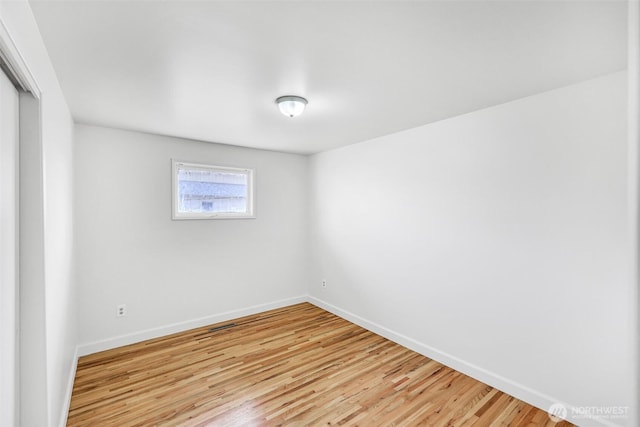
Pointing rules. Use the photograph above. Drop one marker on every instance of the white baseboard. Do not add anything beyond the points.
(67, 395)
(122, 340)
(517, 390)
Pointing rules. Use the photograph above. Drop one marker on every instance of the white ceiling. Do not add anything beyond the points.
(211, 70)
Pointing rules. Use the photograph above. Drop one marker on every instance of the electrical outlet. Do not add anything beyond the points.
(324, 283)
(121, 310)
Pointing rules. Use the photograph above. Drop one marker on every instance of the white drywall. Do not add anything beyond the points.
(495, 241)
(48, 321)
(170, 272)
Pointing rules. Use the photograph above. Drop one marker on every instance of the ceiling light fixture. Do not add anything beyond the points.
(291, 105)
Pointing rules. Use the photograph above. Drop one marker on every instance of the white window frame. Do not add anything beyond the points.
(177, 215)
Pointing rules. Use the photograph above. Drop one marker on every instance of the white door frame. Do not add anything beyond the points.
(29, 119)
(9, 267)
(18, 68)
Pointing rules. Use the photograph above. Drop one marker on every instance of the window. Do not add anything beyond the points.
(204, 191)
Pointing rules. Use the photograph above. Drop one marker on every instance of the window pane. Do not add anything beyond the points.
(212, 191)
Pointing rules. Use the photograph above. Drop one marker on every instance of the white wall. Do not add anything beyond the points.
(60, 289)
(494, 242)
(54, 332)
(167, 272)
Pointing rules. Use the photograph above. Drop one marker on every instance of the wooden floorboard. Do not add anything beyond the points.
(295, 366)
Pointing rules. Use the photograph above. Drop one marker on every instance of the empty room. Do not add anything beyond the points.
(307, 213)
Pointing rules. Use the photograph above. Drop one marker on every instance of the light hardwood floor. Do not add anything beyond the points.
(296, 366)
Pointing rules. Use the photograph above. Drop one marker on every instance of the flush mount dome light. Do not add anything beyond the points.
(291, 106)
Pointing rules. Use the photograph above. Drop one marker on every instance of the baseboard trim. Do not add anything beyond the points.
(110, 343)
(67, 396)
(517, 390)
